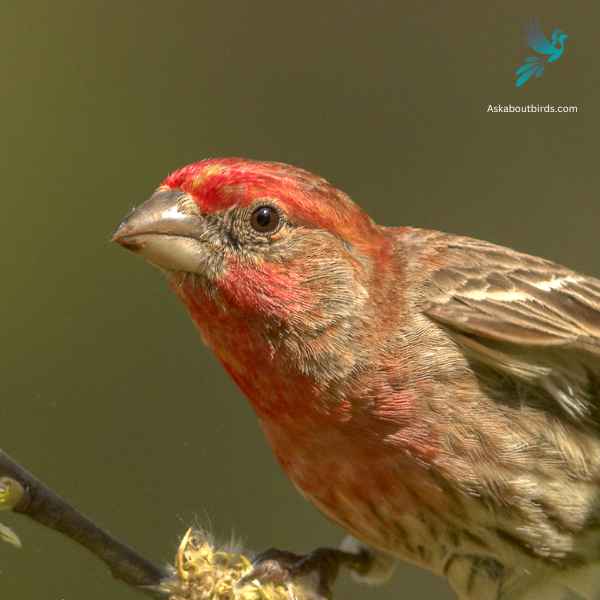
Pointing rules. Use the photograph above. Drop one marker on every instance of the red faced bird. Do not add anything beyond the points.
(436, 396)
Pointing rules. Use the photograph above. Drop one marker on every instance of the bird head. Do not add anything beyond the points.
(559, 36)
(259, 240)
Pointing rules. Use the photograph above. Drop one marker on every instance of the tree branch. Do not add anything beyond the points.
(202, 570)
(40, 503)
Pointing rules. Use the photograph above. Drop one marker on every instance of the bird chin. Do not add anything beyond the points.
(168, 252)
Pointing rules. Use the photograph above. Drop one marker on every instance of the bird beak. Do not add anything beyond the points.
(167, 231)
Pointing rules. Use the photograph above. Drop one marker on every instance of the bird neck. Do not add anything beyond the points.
(286, 345)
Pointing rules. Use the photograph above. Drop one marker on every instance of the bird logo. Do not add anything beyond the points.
(549, 51)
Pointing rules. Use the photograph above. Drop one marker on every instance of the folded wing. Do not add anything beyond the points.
(526, 317)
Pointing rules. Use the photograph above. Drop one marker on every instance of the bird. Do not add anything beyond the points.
(436, 396)
(550, 51)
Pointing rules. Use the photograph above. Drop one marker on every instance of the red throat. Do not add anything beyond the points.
(326, 450)
(235, 336)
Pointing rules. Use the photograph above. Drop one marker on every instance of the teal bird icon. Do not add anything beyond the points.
(548, 52)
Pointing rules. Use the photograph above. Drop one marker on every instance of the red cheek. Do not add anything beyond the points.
(267, 289)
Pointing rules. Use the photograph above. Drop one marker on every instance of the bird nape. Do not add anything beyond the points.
(435, 395)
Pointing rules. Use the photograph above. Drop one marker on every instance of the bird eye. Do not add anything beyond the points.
(265, 219)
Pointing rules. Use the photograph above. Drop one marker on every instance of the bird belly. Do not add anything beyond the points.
(390, 503)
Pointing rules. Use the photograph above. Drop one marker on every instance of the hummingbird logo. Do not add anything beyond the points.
(549, 51)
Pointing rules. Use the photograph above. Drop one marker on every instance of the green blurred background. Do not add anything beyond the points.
(107, 393)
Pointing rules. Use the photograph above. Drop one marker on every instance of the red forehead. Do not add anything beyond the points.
(217, 184)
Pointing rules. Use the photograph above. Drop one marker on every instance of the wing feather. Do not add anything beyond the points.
(508, 296)
(523, 316)
(537, 40)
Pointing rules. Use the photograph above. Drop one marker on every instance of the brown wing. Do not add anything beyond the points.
(525, 316)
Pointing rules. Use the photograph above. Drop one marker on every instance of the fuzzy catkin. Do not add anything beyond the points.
(205, 572)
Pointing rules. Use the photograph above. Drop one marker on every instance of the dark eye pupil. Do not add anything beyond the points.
(263, 216)
(265, 219)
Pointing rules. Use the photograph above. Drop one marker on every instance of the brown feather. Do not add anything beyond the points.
(524, 316)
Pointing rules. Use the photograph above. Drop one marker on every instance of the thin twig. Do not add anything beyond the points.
(43, 505)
